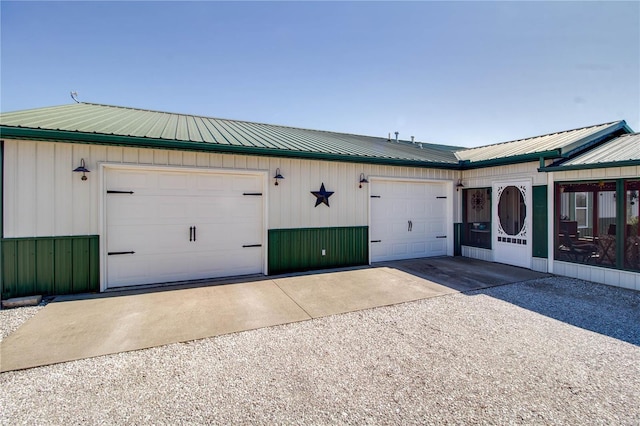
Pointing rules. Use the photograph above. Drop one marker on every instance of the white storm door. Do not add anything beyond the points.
(164, 226)
(512, 224)
(408, 220)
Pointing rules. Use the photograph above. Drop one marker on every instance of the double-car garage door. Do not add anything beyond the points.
(164, 226)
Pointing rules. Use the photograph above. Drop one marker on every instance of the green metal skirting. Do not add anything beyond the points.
(293, 250)
(50, 265)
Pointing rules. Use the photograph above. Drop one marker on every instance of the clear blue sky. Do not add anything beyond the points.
(446, 72)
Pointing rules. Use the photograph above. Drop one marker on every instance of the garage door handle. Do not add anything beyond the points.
(441, 236)
(116, 253)
(376, 241)
(252, 245)
(119, 192)
(410, 226)
(190, 233)
(194, 233)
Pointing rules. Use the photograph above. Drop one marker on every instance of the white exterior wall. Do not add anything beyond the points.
(479, 178)
(614, 277)
(43, 197)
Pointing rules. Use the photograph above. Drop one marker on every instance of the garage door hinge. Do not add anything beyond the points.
(375, 196)
(119, 192)
(441, 236)
(441, 197)
(115, 253)
(376, 241)
(252, 245)
(252, 193)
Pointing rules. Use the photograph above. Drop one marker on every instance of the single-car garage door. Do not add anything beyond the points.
(164, 226)
(408, 220)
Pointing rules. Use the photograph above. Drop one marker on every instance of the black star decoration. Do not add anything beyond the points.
(322, 196)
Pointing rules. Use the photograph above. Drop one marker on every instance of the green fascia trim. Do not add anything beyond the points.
(300, 249)
(590, 166)
(141, 142)
(49, 265)
(516, 159)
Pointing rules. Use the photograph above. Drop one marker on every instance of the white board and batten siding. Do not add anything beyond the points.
(43, 197)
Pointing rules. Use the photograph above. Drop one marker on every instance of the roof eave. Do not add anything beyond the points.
(603, 165)
(143, 142)
(588, 142)
(522, 158)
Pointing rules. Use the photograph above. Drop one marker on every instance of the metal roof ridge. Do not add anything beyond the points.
(541, 136)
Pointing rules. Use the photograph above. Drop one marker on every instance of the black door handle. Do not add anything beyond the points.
(194, 233)
(190, 233)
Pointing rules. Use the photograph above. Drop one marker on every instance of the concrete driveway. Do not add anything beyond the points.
(84, 326)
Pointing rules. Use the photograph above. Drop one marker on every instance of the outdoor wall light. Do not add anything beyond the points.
(82, 169)
(362, 180)
(278, 176)
(459, 185)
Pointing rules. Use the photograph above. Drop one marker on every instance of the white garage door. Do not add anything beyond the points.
(408, 220)
(164, 226)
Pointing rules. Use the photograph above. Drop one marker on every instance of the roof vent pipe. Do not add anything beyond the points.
(389, 137)
(396, 136)
(420, 145)
(413, 139)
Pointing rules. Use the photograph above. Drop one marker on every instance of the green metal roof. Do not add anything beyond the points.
(560, 144)
(621, 151)
(111, 124)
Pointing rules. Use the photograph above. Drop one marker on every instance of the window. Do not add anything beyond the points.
(476, 206)
(588, 215)
(582, 209)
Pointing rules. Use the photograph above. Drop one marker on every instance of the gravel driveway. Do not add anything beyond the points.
(548, 351)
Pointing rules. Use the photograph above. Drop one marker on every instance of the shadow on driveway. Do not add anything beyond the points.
(606, 310)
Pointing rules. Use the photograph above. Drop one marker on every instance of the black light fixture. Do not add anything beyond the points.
(459, 185)
(362, 180)
(82, 169)
(278, 176)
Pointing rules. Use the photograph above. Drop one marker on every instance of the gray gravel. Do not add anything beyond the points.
(549, 351)
(11, 319)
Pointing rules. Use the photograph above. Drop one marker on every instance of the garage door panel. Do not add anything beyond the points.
(246, 184)
(400, 203)
(128, 180)
(172, 183)
(435, 227)
(399, 249)
(419, 247)
(207, 184)
(155, 222)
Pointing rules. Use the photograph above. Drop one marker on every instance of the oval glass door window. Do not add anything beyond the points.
(512, 210)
